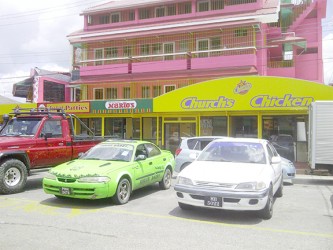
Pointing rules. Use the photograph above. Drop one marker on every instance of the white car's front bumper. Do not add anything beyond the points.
(231, 200)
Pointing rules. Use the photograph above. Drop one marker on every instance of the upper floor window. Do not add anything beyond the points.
(131, 15)
(144, 49)
(185, 8)
(90, 19)
(203, 45)
(217, 4)
(171, 10)
(169, 48)
(156, 91)
(159, 11)
(156, 48)
(144, 13)
(145, 92)
(168, 88)
(207, 5)
(98, 94)
(111, 52)
(240, 32)
(98, 55)
(111, 93)
(127, 51)
(104, 19)
(203, 6)
(115, 17)
(127, 92)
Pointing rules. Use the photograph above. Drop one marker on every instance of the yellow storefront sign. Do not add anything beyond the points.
(244, 93)
(73, 107)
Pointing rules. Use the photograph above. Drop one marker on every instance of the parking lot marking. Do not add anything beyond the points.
(321, 235)
(54, 210)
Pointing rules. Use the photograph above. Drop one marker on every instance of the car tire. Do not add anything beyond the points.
(13, 176)
(267, 212)
(165, 183)
(123, 192)
(279, 192)
(184, 206)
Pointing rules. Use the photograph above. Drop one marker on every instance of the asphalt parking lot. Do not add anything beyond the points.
(303, 219)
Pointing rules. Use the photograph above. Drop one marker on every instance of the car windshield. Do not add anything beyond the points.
(110, 152)
(21, 127)
(244, 152)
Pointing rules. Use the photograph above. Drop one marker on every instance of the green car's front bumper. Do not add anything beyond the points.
(79, 190)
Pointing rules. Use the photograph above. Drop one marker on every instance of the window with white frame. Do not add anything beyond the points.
(145, 92)
(90, 19)
(168, 88)
(203, 45)
(98, 94)
(169, 48)
(115, 17)
(98, 55)
(111, 93)
(215, 44)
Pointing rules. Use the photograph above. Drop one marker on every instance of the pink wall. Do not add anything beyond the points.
(307, 68)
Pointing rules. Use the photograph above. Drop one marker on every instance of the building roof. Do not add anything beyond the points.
(22, 88)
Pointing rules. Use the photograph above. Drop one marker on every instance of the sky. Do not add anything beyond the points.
(34, 34)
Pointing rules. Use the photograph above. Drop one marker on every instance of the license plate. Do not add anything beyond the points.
(213, 201)
(65, 191)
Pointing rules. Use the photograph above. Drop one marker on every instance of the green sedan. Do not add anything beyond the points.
(113, 168)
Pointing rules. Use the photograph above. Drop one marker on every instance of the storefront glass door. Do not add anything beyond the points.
(244, 126)
(174, 131)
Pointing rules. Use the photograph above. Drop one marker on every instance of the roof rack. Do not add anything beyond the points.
(39, 111)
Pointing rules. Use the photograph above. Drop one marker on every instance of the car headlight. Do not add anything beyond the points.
(95, 179)
(251, 186)
(50, 176)
(184, 181)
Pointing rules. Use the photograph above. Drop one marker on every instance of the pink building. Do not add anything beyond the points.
(145, 48)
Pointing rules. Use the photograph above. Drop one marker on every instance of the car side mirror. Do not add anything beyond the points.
(141, 158)
(275, 160)
(47, 135)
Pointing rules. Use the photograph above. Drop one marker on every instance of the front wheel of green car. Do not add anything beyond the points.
(123, 192)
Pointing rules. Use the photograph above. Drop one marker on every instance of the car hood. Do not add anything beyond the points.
(84, 168)
(15, 142)
(223, 172)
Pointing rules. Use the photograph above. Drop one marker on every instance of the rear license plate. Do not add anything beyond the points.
(213, 201)
(65, 191)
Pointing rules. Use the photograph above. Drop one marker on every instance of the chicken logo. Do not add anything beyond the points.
(242, 88)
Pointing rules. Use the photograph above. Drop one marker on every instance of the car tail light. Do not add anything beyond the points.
(178, 150)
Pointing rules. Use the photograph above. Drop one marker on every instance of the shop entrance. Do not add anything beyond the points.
(174, 131)
(244, 126)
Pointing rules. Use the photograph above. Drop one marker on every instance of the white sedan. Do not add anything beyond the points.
(233, 174)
